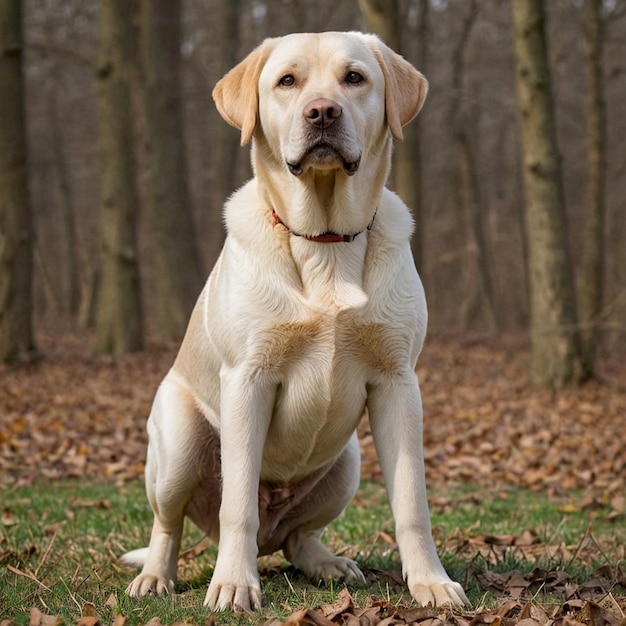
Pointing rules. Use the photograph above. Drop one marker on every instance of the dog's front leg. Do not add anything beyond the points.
(246, 405)
(395, 410)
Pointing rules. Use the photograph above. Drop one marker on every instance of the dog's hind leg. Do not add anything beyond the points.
(325, 503)
(171, 479)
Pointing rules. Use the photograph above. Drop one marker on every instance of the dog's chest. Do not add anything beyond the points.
(328, 345)
(322, 367)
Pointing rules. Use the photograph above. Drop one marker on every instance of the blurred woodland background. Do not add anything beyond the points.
(129, 163)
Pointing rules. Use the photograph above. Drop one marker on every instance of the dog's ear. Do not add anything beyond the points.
(236, 95)
(405, 88)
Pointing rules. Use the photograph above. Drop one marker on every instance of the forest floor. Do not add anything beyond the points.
(71, 415)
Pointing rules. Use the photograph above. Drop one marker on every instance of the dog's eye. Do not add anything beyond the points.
(287, 80)
(354, 78)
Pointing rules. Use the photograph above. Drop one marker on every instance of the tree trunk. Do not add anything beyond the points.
(478, 309)
(178, 274)
(224, 149)
(555, 345)
(417, 185)
(382, 18)
(119, 316)
(16, 230)
(591, 289)
(71, 282)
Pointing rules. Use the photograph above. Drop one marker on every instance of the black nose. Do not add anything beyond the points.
(322, 112)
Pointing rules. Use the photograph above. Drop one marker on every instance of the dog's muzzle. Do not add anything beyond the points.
(323, 153)
(322, 117)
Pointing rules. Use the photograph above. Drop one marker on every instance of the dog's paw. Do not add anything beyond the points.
(239, 598)
(148, 585)
(446, 592)
(337, 568)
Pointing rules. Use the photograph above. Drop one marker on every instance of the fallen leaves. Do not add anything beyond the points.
(89, 617)
(555, 583)
(344, 611)
(71, 415)
(517, 611)
(484, 426)
(37, 618)
(511, 613)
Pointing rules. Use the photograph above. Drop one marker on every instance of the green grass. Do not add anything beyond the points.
(59, 544)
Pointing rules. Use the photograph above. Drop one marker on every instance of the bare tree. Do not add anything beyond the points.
(383, 18)
(555, 346)
(178, 275)
(119, 314)
(591, 289)
(225, 139)
(66, 200)
(16, 233)
(478, 306)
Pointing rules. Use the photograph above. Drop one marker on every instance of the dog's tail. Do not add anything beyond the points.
(135, 558)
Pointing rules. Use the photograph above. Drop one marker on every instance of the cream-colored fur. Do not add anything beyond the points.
(252, 432)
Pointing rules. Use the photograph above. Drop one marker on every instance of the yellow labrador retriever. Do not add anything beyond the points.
(313, 313)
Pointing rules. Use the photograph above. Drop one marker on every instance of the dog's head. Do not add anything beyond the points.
(321, 100)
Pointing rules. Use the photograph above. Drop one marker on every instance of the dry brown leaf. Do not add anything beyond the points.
(599, 616)
(509, 609)
(344, 602)
(192, 553)
(565, 620)
(420, 614)
(91, 504)
(8, 518)
(37, 618)
(493, 580)
(487, 617)
(429, 621)
(386, 538)
(516, 585)
(536, 613)
(306, 617)
(369, 616)
(527, 621)
(111, 601)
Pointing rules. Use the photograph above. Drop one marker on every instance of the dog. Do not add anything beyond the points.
(313, 314)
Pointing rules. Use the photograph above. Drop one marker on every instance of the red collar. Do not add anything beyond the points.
(327, 237)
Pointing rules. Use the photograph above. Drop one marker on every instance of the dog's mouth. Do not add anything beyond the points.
(324, 156)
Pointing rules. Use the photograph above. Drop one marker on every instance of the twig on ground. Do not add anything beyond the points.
(46, 552)
(28, 575)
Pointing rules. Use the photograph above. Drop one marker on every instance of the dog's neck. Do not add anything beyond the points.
(330, 274)
(327, 237)
(321, 200)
